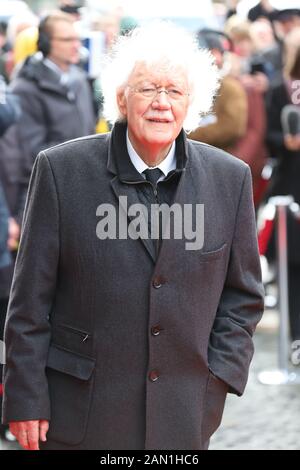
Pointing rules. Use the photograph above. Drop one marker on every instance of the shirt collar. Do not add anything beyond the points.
(63, 76)
(119, 162)
(167, 165)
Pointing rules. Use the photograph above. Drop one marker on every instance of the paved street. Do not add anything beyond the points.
(266, 417)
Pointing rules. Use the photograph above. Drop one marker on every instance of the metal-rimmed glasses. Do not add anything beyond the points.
(151, 91)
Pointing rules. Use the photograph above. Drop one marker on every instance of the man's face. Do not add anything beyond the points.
(65, 44)
(154, 121)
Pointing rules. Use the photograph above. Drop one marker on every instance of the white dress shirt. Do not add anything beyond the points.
(167, 165)
(63, 76)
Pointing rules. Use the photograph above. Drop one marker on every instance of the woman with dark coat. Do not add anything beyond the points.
(286, 181)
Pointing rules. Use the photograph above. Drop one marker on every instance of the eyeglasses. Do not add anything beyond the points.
(68, 40)
(151, 91)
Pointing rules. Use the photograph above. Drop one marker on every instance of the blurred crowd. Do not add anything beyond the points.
(50, 92)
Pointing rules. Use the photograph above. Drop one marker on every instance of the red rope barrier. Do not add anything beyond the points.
(264, 236)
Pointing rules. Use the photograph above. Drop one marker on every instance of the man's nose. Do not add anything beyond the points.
(161, 100)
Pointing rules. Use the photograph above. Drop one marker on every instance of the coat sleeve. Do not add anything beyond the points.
(242, 300)
(33, 127)
(27, 329)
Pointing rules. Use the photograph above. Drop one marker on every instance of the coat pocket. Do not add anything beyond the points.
(214, 403)
(71, 338)
(70, 378)
(212, 255)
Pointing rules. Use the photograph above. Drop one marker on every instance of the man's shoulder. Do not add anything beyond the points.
(24, 86)
(215, 158)
(27, 73)
(78, 150)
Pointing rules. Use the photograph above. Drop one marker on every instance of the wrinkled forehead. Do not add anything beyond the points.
(161, 72)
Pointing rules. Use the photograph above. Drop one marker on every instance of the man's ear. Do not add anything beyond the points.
(122, 101)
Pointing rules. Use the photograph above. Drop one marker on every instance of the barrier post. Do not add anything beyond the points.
(282, 375)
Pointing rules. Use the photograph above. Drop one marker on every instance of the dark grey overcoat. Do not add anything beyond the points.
(117, 351)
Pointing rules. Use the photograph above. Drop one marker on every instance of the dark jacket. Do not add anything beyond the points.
(251, 148)
(4, 253)
(9, 113)
(286, 177)
(118, 350)
(51, 113)
(9, 108)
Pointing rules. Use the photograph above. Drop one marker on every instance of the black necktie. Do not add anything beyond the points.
(153, 175)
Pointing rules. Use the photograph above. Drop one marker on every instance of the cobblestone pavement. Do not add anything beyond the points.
(266, 416)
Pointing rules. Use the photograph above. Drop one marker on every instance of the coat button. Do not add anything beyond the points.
(155, 330)
(153, 375)
(158, 282)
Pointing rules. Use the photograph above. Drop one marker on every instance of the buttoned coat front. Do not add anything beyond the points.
(119, 350)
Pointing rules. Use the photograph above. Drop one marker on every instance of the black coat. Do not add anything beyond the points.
(9, 108)
(117, 350)
(285, 180)
(51, 113)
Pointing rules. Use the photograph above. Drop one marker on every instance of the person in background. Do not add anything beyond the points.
(16, 25)
(285, 21)
(9, 107)
(72, 7)
(5, 263)
(25, 45)
(231, 8)
(9, 113)
(267, 55)
(263, 9)
(56, 102)
(285, 147)
(252, 71)
(228, 121)
(5, 259)
(55, 95)
(57, 105)
(4, 47)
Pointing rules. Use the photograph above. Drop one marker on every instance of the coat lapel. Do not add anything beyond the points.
(130, 192)
(190, 190)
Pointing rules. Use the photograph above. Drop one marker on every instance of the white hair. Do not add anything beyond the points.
(161, 42)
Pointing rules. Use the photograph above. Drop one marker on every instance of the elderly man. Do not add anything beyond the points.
(121, 339)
